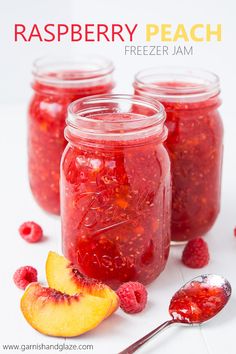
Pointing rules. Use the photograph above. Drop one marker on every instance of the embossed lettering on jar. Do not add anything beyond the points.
(195, 144)
(115, 189)
(57, 83)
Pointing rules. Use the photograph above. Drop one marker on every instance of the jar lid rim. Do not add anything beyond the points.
(105, 98)
(71, 70)
(177, 83)
(115, 117)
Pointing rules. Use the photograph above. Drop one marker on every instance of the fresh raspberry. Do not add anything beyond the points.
(30, 231)
(133, 297)
(24, 276)
(235, 231)
(196, 254)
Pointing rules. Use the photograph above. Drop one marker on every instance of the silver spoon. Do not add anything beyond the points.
(196, 302)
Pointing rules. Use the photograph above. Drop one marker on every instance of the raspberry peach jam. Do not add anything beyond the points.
(195, 144)
(198, 302)
(56, 84)
(115, 189)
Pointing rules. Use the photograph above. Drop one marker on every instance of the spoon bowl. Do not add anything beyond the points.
(200, 299)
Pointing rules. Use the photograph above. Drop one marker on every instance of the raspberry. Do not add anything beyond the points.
(24, 276)
(30, 231)
(235, 231)
(133, 297)
(196, 254)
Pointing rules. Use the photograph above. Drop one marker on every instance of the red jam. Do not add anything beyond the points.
(198, 302)
(116, 199)
(195, 135)
(53, 92)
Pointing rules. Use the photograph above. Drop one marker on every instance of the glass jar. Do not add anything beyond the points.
(195, 144)
(56, 84)
(115, 189)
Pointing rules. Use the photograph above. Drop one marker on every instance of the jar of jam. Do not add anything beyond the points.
(56, 84)
(195, 144)
(115, 189)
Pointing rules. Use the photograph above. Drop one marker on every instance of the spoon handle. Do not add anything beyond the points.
(133, 347)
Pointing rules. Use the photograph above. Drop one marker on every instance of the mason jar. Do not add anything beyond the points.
(115, 189)
(57, 83)
(191, 98)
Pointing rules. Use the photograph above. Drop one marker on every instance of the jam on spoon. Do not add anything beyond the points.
(196, 302)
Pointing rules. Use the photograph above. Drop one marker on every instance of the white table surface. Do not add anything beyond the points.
(114, 334)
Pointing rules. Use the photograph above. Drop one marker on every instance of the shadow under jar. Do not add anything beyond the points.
(57, 83)
(195, 144)
(115, 189)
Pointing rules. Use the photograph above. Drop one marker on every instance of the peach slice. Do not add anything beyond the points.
(63, 276)
(56, 314)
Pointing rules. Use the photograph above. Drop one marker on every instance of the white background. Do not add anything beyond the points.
(16, 201)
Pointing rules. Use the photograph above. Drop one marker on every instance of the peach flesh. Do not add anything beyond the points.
(56, 314)
(62, 275)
